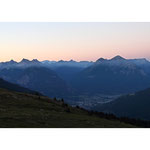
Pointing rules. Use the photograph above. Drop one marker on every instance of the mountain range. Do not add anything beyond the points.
(114, 76)
(71, 78)
(49, 64)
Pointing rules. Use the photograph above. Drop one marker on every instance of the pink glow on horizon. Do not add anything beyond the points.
(77, 41)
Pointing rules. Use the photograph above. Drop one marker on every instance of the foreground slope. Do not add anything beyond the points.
(26, 110)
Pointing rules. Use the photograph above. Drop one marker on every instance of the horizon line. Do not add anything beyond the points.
(72, 59)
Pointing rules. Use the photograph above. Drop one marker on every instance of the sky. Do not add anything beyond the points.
(77, 41)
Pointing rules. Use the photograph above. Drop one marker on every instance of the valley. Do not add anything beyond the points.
(88, 101)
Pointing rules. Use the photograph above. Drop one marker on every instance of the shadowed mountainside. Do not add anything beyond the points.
(39, 79)
(133, 105)
(14, 87)
(115, 76)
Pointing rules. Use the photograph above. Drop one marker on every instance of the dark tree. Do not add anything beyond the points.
(68, 110)
(62, 100)
(55, 99)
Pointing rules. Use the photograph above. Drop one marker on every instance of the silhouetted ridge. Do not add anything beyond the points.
(118, 57)
(35, 60)
(24, 60)
(100, 60)
(12, 61)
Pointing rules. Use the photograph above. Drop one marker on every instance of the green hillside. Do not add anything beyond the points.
(21, 110)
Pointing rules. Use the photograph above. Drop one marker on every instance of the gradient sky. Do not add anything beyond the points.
(78, 41)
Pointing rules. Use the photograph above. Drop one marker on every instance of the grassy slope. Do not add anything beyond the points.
(26, 110)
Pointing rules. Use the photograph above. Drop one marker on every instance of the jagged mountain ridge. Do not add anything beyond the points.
(65, 69)
(52, 64)
(109, 76)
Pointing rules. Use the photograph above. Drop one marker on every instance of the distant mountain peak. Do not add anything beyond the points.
(72, 60)
(35, 61)
(101, 59)
(61, 61)
(118, 57)
(12, 61)
(24, 60)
